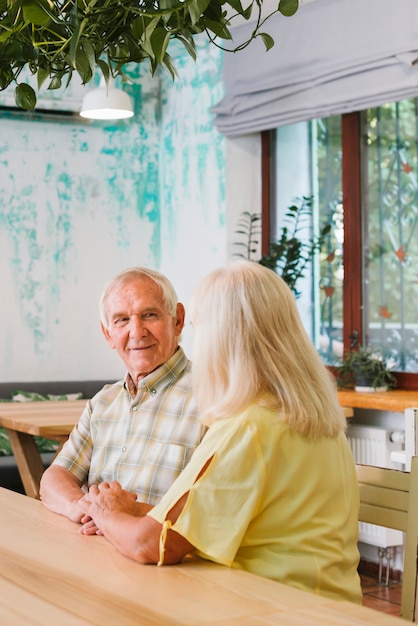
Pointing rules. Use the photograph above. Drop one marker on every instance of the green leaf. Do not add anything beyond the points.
(159, 42)
(90, 54)
(137, 28)
(152, 24)
(267, 40)
(82, 66)
(216, 12)
(25, 97)
(237, 6)
(36, 12)
(170, 66)
(146, 42)
(55, 83)
(196, 8)
(239, 9)
(246, 14)
(41, 76)
(220, 30)
(105, 69)
(6, 77)
(188, 43)
(74, 41)
(4, 35)
(288, 7)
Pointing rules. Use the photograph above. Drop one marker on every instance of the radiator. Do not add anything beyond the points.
(373, 446)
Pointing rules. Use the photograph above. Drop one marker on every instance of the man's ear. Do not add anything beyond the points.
(107, 335)
(180, 318)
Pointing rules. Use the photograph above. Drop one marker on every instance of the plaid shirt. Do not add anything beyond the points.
(143, 442)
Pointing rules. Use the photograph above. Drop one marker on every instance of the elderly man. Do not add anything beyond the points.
(140, 431)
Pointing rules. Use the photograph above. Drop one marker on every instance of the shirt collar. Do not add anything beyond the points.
(162, 376)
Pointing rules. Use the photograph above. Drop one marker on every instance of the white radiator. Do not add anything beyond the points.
(372, 445)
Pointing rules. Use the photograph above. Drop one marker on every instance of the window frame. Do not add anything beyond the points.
(353, 236)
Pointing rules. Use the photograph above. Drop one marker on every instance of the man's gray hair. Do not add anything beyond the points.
(168, 292)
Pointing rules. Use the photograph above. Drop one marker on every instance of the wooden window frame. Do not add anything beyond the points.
(353, 243)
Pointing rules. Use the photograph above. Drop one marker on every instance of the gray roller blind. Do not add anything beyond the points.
(331, 57)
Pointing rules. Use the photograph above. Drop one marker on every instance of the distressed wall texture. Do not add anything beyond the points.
(81, 201)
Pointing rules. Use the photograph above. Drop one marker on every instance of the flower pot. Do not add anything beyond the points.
(363, 381)
(365, 389)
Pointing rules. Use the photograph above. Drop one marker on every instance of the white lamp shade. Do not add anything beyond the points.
(106, 103)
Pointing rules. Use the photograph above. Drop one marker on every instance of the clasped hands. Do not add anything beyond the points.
(103, 500)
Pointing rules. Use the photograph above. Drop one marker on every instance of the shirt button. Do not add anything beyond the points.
(135, 408)
(153, 392)
(124, 449)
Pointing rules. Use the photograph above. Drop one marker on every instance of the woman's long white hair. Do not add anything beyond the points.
(250, 346)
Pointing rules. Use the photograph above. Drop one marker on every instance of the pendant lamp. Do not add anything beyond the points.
(106, 102)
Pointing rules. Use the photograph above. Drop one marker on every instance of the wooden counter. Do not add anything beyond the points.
(50, 574)
(395, 400)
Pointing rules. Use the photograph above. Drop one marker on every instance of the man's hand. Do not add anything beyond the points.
(103, 500)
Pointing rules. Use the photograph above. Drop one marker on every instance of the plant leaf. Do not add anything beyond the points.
(36, 12)
(89, 50)
(196, 8)
(82, 66)
(237, 6)
(188, 43)
(288, 7)
(159, 42)
(25, 97)
(55, 83)
(105, 69)
(220, 30)
(170, 66)
(74, 44)
(41, 76)
(267, 40)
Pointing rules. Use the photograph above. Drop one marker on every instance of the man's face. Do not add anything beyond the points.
(140, 328)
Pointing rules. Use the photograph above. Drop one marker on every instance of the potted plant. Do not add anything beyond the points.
(364, 370)
(56, 39)
(291, 255)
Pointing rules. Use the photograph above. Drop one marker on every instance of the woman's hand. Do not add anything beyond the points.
(103, 500)
(115, 513)
(89, 527)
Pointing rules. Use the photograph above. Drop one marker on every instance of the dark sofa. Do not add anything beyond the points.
(87, 387)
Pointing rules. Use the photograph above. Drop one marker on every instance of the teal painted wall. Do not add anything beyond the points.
(81, 201)
(192, 199)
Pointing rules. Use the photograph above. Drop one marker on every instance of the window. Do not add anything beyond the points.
(361, 170)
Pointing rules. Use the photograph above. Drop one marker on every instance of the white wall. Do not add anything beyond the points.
(80, 202)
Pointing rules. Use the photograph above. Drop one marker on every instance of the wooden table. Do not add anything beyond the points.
(396, 400)
(50, 574)
(50, 419)
(24, 420)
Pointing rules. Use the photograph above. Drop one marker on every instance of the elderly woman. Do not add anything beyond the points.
(272, 488)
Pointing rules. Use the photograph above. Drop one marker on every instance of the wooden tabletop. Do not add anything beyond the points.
(394, 400)
(24, 420)
(45, 419)
(50, 574)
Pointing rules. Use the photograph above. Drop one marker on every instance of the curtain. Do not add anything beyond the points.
(331, 57)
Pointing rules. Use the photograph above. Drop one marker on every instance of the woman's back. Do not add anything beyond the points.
(307, 527)
(273, 503)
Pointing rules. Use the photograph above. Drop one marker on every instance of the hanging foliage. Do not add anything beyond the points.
(56, 39)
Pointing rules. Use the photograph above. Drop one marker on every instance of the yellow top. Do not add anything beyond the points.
(273, 503)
